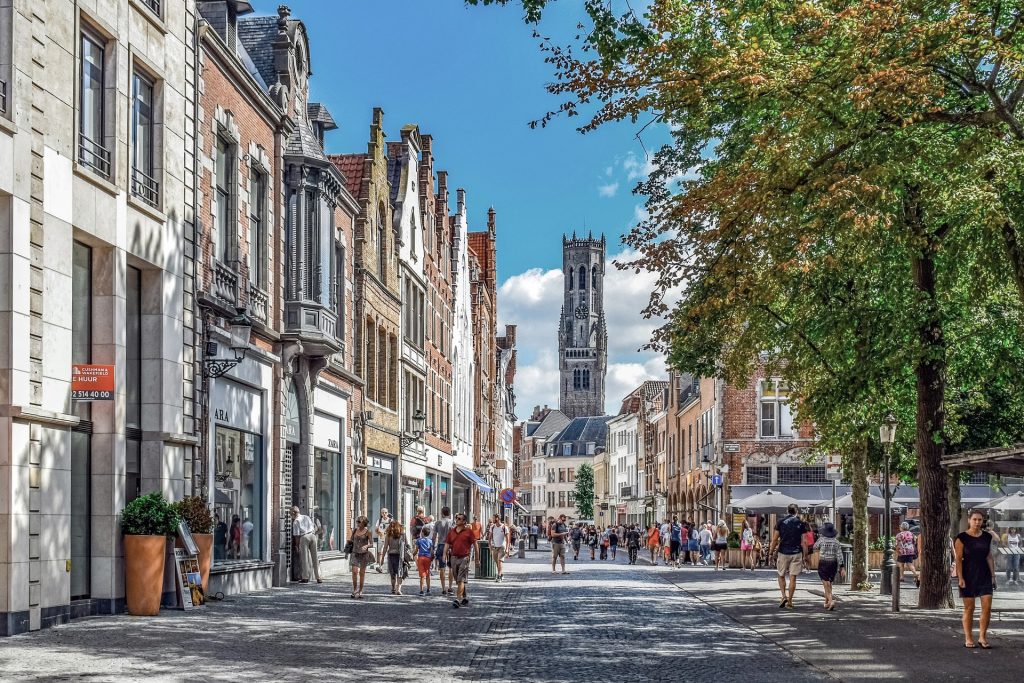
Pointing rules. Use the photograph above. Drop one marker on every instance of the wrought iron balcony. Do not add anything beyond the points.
(225, 284)
(145, 188)
(94, 155)
(259, 304)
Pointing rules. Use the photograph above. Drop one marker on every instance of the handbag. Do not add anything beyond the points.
(348, 547)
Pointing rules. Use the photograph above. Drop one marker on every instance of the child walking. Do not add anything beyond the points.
(424, 556)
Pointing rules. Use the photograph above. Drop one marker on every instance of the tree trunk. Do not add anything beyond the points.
(1011, 245)
(858, 460)
(930, 420)
(955, 513)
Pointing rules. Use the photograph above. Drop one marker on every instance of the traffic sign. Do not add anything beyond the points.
(508, 506)
(507, 496)
(716, 480)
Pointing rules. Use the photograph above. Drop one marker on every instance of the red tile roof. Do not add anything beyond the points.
(351, 167)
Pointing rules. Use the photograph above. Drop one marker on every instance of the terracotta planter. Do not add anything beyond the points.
(144, 558)
(205, 544)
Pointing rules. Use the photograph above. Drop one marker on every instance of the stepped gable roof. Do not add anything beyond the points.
(351, 167)
(257, 34)
(318, 113)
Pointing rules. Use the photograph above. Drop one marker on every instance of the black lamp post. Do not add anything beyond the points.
(240, 330)
(887, 434)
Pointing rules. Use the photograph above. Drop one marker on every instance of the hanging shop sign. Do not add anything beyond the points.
(92, 382)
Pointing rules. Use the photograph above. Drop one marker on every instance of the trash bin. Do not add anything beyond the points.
(522, 548)
(847, 562)
(486, 569)
(533, 541)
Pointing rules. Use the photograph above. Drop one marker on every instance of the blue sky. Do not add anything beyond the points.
(474, 78)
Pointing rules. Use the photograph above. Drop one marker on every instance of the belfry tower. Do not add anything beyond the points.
(582, 334)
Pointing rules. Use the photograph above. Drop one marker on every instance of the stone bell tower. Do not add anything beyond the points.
(582, 334)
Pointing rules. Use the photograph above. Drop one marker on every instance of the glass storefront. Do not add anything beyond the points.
(327, 496)
(238, 469)
(436, 493)
(380, 486)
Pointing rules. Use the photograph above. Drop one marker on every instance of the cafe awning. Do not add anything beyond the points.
(473, 478)
(1009, 461)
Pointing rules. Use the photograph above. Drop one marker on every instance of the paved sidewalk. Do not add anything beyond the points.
(862, 639)
(602, 622)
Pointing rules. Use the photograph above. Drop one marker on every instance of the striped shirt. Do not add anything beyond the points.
(829, 550)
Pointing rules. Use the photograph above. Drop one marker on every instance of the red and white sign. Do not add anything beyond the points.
(92, 382)
(507, 496)
(834, 466)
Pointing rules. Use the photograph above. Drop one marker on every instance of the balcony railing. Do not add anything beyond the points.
(259, 303)
(225, 284)
(94, 155)
(153, 5)
(145, 188)
(3, 97)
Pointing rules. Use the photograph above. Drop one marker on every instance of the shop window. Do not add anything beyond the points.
(759, 475)
(327, 494)
(238, 467)
(801, 474)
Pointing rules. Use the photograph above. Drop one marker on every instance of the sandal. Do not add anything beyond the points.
(971, 646)
(353, 595)
(985, 645)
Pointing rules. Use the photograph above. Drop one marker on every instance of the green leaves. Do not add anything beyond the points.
(584, 491)
(149, 515)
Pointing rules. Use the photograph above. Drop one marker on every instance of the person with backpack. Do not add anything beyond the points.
(613, 542)
(424, 556)
(576, 537)
(906, 552)
(440, 533)
(593, 539)
(498, 537)
(633, 543)
(417, 523)
(789, 541)
(675, 538)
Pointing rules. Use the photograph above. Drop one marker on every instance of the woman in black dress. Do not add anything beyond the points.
(976, 574)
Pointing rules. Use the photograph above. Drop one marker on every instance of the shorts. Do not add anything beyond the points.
(439, 556)
(423, 565)
(557, 550)
(745, 546)
(460, 568)
(360, 560)
(721, 546)
(575, 546)
(789, 564)
(906, 559)
(827, 570)
(498, 553)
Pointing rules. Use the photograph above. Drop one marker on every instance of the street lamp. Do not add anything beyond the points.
(887, 434)
(239, 329)
(418, 418)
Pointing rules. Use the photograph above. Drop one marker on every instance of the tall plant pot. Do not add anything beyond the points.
(205, 544)
(144, 558)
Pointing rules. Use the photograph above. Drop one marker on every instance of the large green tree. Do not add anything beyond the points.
(584, 491)
(870, 139)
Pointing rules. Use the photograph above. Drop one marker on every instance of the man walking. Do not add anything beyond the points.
(440, 536)
(379, 531)
(305, 540)
(789, 540)
(498, 536)
(633, 542)
(676, 535)
(557, 531)
(576, 536)
(534, 534)
(458, 546)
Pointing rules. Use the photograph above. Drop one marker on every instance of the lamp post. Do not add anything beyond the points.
(240, 330)
(887, 434)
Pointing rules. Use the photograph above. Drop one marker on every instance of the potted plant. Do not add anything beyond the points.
(146, 523)
(195, 513)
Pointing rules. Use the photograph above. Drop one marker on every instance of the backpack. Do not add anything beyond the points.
(906, 545)
(417, 526)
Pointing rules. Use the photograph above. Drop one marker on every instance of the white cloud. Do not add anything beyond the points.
(637, 169)
(608, 190)
(533, 300)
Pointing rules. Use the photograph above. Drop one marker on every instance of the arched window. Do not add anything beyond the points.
(593, 277)
(571, 271)
(576, 378)
(586, 378)
(583, 277)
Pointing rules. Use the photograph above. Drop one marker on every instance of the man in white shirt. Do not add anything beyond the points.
(498, 537)
(665, 536)
(304, 538)
(383, 522)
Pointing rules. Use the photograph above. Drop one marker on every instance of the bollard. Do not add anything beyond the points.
(896, 586)
(522, 548)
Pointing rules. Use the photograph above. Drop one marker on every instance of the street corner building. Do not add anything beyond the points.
(200, 300)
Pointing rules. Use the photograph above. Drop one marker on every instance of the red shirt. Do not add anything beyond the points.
(460, 541)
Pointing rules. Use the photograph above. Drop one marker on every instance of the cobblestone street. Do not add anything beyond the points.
(603, 621)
